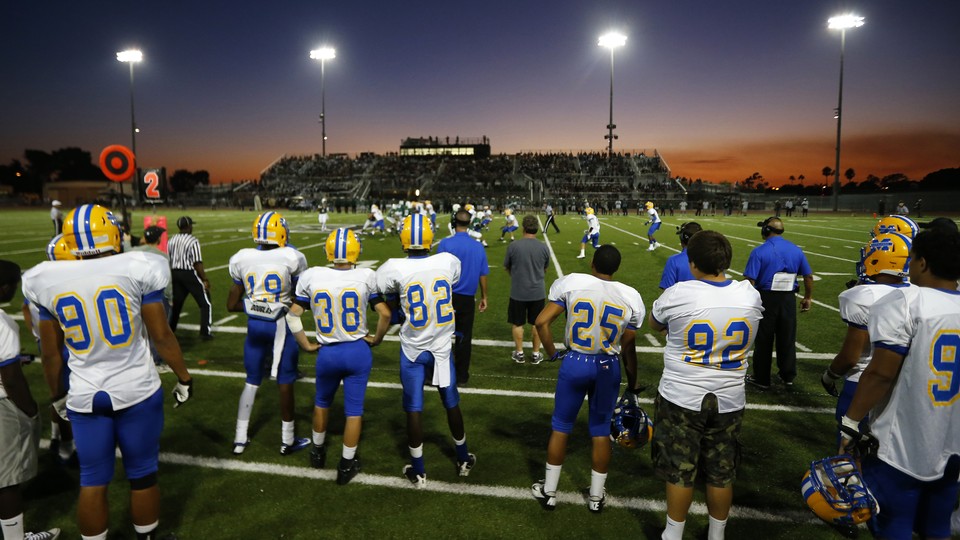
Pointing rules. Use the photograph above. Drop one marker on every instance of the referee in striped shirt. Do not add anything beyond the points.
(188, 277)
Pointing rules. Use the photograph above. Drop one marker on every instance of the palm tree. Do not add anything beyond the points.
(849, 174)
(801, 177)
(792, 179)
(826, 172)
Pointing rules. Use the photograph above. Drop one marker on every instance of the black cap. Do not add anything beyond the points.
(943, 223)
(185, 222)
(153, 233)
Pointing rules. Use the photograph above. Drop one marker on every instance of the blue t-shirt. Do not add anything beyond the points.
(677, 269)
(473, 261)
(776, 254)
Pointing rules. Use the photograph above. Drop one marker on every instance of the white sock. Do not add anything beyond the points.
(66, 449)
(716, 528)
(286, 432)
(416, 452)
(552, 478)
(349, 452)
(247, 397)
(144, 529)
(319, 437)
(581, 252)
(674, 530)
(12, 528)
(101, 536)
(597, 481)
(461, 442)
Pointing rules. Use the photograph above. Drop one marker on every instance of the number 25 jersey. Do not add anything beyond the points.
(597, 312)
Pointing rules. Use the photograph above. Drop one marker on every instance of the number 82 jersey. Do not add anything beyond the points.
(597, 312)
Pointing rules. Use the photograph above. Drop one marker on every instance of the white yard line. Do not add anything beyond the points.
(553, 256)
(226, 319)
(801, 347)
(652, 340)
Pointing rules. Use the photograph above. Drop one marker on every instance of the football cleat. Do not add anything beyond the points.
(343, 247)
(595, 504)
(630, 426)
(298, 444)
(835, 491)
(896, 224)
(581, 256)
(517, 356)
(91, 229)
(418, 480)
(318, 456)
(536, 358)
(464, 467)
(239, 447)
(52, 534)
(415, 233)
(58, 250)
(347, 469)
(887, 253)
(547, 500)
(270, 228)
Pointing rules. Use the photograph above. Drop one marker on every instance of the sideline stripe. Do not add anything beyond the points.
(553, 256)
(222, 266)
(516, 393)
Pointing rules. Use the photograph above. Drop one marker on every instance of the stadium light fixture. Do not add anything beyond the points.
(323, 54)
(611, 40)
(842, 23)
(131, 57)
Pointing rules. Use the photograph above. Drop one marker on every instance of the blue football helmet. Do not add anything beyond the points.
(630, 426)
(834, 489)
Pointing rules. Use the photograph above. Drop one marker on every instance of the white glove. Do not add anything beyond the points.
(182, 392)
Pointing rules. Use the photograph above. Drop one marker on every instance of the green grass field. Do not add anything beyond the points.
(207, 493)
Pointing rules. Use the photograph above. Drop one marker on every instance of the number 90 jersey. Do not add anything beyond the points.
(338, 300)
(266, 276)
(425, 286)
(710, 328)
(597, 312)
(97, 303)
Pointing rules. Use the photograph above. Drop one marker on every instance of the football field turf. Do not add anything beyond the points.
(209, 493)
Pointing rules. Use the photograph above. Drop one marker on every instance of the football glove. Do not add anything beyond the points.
(558, 354)
(630, 397)
(182, 392)
(829, 381)
(60, 406)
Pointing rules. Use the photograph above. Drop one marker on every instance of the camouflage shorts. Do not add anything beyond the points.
(686, 442)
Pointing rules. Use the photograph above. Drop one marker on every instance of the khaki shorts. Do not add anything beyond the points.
(19, 438)
(687, 442)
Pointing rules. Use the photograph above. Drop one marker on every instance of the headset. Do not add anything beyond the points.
(766, 230)
(687, 230)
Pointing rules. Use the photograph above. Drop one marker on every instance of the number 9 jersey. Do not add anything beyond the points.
(97, 303)
(597, 312)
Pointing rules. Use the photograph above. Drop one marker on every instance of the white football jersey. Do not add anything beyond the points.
(593, 223)
(512, 221)
(710, 328)
(338, 300)
(425, 286)
(34, 319)
(267, 276)
(918, 428)
(9, 344)
(855, 309)
(97, 303)
(377, 215)
(654, 216)
(597, 312)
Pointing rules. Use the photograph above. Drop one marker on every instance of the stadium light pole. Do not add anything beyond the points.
(842, 23)
(611, 40)
(131, 57)
(323, 54)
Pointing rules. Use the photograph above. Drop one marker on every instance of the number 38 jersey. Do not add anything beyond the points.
(338, 300)
(710, 328)
(97, 303)
(597, 312)
(918, 428)
(425, 286)
(266, 276)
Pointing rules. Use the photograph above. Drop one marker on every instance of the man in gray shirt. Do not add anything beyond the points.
(526, 262)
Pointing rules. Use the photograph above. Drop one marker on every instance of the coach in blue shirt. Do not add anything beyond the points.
(473, 272)
(678, 266)
(773, 267)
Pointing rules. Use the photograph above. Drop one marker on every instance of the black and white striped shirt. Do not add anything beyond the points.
(184, 251)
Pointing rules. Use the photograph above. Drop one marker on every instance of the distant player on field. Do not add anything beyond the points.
(592, 234)
(511, 226)
(654, 222)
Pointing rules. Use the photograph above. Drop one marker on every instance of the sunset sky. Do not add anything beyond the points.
(721, 89)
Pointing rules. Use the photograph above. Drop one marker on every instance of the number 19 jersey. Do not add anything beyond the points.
(597, 312)
(710, 328)
(266, 276)
(425, 286)
(338, 300)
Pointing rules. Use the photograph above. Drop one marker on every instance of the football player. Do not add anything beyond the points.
(654, 222)
(374, 220)
(338, 298)
(98, 306)
(511, 226)
(322, 211)
(476, 224)
(592, 233)
(590, 366)
(910, 389)
(711, 323)
(424, 285)
(263, 282)
(428, 207)
(677, 267)
(883, 267)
